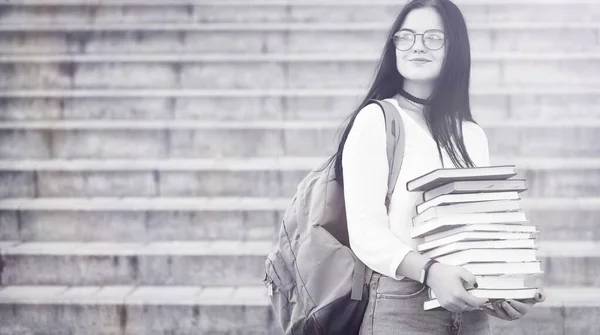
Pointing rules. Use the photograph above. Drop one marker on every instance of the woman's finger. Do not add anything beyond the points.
(490, 311)
(520, 307)
(510, 311)
(500, 311)
(540, 296)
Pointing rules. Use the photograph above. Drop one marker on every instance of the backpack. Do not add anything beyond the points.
(315, 283)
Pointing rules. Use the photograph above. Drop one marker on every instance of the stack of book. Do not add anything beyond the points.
(472, 217)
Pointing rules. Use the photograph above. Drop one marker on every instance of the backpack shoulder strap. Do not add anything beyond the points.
(394, 129)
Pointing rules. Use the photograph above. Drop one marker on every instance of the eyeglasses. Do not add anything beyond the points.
(433, 39)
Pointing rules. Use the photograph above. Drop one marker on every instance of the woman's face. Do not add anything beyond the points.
(417, 61)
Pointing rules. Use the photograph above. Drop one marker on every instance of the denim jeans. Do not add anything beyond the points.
(396, 307)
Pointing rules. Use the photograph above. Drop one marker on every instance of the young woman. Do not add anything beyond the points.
(424, 72)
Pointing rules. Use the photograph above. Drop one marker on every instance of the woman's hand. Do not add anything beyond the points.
(513, 309)
(448, 284)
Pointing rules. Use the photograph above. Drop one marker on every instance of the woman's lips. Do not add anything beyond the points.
(420, 61)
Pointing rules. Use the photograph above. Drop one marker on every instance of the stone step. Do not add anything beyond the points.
(279, 37)
(210, 58)
(207, 263)
(269, 72)
(251, 164)
(243, 310)
(135, 310)
(227, 3)
(215, 263)
(275, 177)
(241, 219)
(280, 11)
(516, 90)
(187, 139)
(244, 125)
(284, 26)
(531, 102)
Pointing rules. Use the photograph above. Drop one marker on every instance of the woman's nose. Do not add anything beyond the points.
(419, 46)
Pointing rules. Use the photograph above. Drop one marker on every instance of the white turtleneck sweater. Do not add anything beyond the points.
(379, 240)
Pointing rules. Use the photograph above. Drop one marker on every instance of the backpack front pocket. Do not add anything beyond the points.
(280, 290)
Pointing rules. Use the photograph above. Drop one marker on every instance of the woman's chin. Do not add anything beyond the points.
(420, 76)
(419, 73)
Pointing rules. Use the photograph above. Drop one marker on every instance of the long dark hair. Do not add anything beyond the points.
(449, 103)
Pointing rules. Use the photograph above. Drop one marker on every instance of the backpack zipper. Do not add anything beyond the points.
(269, 285)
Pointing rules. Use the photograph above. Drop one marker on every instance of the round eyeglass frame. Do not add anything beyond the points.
(422, 39)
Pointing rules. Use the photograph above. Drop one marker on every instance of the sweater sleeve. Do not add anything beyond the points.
(365, 173)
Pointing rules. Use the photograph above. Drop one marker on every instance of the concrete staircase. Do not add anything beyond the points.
(149, 148)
